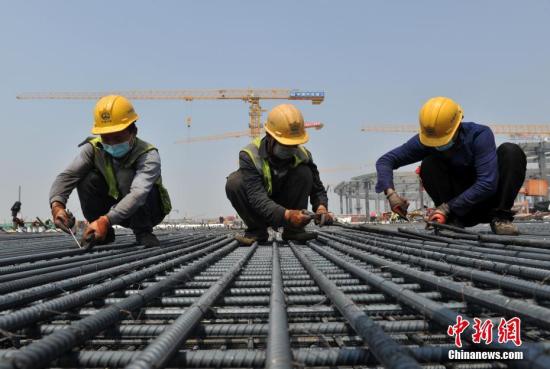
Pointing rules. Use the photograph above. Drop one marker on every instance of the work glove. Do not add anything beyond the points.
(96, 231)
(398, 204)
(62, 218)
(297, 218)
(324, 217)
(440, 214)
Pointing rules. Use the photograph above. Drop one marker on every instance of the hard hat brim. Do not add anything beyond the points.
(111, 129)
(440, 141)
(289, 141)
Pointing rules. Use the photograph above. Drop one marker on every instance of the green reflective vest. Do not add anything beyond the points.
(119, 184)
(262, 165)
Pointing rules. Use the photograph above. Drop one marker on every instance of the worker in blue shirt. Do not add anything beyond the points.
(470, 180)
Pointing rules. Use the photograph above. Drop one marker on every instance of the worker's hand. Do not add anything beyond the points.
(325, 218)
(96, 231)
(440, 214)
(398, 204)
(62, 218)
(297, 218)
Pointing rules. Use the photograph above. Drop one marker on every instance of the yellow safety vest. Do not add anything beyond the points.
(262, 165)
(120, 183)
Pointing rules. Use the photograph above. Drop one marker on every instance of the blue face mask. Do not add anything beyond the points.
(445, 147)
(118, 150)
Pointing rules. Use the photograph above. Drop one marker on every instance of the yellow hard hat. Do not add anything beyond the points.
(439, 118)
(113, 113)
(286, 124)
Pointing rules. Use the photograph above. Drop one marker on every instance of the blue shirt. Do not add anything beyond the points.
(475, 150)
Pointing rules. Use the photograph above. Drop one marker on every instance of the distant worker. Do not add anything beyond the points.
(470, 180)
(117, 177)
(276, 176)
(15, 210)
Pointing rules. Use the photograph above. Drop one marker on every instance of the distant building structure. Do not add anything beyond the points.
(357, 196)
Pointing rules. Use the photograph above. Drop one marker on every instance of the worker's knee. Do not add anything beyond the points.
(508, 153)
(93, 194)
(234, 183)
(93, 183)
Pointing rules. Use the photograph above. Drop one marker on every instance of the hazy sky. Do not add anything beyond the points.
(377, 61)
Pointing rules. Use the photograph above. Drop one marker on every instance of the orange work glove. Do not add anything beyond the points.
(398, 204)
(62, 219)
(97, 230)
(297, 218)
(440, 214)
(326, 218)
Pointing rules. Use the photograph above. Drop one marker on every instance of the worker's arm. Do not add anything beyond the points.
(68, 179)
(257, 194)
(486, 167)
(318, 193)
(410, 152)
(147, 173)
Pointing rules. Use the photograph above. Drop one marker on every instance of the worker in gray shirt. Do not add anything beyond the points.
(117, 177)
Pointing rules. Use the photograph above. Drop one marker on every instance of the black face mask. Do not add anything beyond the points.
(274, 160)
(280, 163)
(283, 152)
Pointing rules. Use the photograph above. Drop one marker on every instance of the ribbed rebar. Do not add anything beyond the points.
(164, 347)
(279, 355)
(40, 353)
(509, 306)
(434, 310)
(325, 357)
(107, 307)
(402, 254)
(386, 350)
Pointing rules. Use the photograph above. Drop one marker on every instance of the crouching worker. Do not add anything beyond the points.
(117, 177)
(470, 180)
(276, 176)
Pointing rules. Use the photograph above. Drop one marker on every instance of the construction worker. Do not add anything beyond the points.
(17, 221)
(117, 177)
(470, 180)
(276, 176)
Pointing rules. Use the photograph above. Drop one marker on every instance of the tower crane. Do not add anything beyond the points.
(250, 96)
(516, 131)
(236, 134)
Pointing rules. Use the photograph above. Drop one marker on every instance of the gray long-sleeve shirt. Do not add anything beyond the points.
(147, 168)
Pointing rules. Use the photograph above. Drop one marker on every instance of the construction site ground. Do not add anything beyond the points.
(358, 296)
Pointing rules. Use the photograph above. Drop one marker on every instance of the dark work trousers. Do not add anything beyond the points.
(443, 183)
(95, 202)
(292, 192)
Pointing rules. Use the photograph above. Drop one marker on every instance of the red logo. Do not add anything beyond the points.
(483, 331)
(508, 330)
(457, 329)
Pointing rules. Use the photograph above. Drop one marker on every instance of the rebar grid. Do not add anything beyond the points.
(356, 296)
